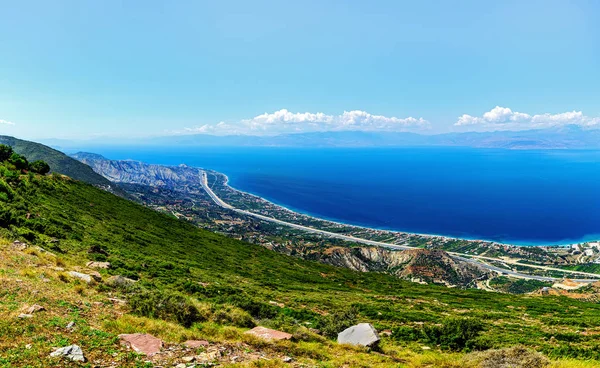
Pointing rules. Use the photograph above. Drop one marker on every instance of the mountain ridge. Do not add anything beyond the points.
(59, 162)
(567, 137)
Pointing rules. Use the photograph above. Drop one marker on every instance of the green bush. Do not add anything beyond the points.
(455, 334)
(5, 152)
(19, 161)
(406, 333)
(164, 305)
(39, 167)
(230, 315)
(332, 324)
(257, 309)
(517, 357)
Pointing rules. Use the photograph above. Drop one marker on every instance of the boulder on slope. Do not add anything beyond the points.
(142, 343)
(268, 334)
(363, 334)
(72, 352)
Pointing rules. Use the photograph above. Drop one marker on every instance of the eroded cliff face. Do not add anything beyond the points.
(419, 265)
(134, 172)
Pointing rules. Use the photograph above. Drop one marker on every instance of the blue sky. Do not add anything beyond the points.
(78, 69)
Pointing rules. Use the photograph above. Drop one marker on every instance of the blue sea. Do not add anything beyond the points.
(519, 197)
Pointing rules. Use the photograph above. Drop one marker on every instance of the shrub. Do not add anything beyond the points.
(39, 167)
(228, 314)
(19, 161)
(406, 333)
(164, 305)
(331, 325)
(5, 152)
(257, 309)
(516, 357)
(455, 334)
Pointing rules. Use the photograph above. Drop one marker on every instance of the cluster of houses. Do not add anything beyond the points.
(590, 252)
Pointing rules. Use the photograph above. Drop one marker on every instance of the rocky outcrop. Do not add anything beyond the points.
(420, 265)
(135, 172)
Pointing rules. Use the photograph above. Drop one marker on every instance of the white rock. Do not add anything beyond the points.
(103, 265)
(81, 276)
(72, 352)
(363, 334)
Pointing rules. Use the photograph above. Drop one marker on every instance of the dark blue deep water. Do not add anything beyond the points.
(519, 197)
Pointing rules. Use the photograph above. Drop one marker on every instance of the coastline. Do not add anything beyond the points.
(408, 233)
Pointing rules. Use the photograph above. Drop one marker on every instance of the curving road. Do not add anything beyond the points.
(473, 259)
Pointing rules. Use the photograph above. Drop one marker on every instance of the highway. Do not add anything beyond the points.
(473, 259)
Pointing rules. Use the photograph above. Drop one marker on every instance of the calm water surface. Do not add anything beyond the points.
(519, 197)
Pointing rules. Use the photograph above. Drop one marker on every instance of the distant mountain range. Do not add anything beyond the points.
(567, 137)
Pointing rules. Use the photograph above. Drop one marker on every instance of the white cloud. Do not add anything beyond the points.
(503, 118)
(284, 121)
(6, 122)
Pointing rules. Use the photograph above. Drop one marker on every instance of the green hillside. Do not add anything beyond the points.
(204, 282)
(58, 161)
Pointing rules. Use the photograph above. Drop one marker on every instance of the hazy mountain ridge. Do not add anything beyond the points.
(135, 172)
(568, 137)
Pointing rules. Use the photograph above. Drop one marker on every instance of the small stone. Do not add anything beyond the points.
(17, 245)
(96, 276)
(81, 276)
(268, 334)
(70, 325)
(35, 308)
(287, 359)
(181, 365)
(24, 316)
(209, 356)
(195, 344)
(72, 352)
(142, 343)
(188, 359)
(102, 265)
(28, 346)
(119, 281)
(117, 301)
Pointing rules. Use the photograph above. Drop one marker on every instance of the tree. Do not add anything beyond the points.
(5, 152)
(19, 161)
(39, 167)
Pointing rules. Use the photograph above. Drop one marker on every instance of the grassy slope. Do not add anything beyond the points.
(169, 254)
(58, 161)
